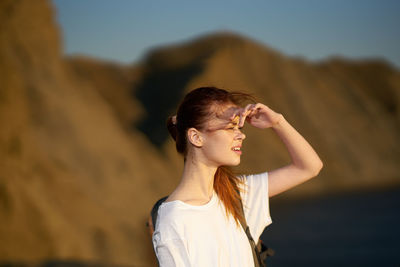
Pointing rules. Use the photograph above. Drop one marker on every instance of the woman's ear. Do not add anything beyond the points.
(194, 137)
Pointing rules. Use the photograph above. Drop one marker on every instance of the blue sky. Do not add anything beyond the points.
(124, 30)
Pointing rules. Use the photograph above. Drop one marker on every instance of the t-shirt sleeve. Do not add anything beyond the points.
(171, 253)
(256, 203)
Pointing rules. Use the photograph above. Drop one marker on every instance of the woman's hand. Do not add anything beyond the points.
(257, 115)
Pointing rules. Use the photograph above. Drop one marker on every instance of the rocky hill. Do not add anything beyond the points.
(348, 110)
(84, 152)
(74, 184)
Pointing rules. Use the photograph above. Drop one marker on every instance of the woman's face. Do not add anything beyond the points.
(223, 138)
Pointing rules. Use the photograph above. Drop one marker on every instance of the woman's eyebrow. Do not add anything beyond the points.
(232, 124)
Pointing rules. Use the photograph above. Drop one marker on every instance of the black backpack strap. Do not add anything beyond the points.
(265, 251)
(154, 211)
(258, 262)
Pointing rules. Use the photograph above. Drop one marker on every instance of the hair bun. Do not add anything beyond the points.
(171, 126)
(173, 118)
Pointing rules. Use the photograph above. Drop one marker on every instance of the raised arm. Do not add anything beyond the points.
(305, 162)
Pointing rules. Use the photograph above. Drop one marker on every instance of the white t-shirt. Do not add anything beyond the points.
(187, 235)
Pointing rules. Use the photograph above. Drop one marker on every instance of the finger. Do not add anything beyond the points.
(263, 107)
(249, 106)
(249, 119)
(247, 111)
(238, 111)
(243, 117)
(253, 111)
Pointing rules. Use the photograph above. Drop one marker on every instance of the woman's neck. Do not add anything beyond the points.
(197, 181)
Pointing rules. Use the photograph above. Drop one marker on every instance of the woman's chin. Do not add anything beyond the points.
(234, 163)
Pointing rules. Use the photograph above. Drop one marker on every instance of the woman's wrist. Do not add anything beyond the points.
(278, 121)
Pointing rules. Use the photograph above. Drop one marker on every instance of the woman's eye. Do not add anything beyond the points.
(234, 128)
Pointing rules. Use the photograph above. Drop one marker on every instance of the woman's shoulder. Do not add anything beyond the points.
(169, 223)
(177, 213)
(173, 213)
(170, 211)
(176, 219)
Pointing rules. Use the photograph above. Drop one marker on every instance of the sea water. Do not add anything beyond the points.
(358, 229)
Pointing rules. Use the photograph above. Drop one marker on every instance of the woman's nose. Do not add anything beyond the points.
(240, 135)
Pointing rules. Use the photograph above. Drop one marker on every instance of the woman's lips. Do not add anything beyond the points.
(237, 150)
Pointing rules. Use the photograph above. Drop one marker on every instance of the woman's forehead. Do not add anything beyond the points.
(225, 112)
(222, 116)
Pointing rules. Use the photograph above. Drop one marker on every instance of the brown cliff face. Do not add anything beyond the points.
(347, 110)
(84, 152)
(73, 182)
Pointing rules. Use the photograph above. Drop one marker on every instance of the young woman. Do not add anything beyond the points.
(198, 224)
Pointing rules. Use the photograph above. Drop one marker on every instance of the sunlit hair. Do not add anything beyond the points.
(199, 106)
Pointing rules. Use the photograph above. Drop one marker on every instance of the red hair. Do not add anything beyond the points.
(194, 111)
